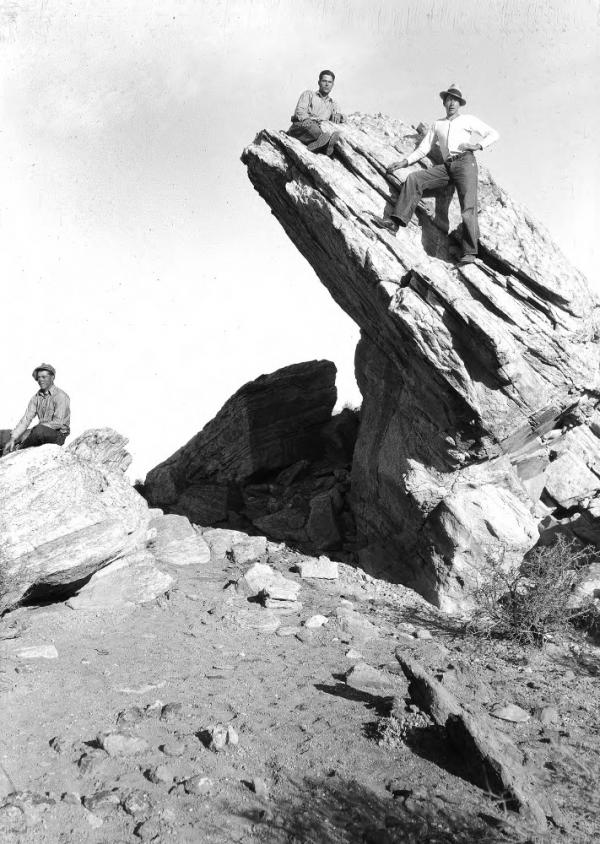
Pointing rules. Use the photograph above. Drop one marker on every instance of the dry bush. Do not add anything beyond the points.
(530, 601)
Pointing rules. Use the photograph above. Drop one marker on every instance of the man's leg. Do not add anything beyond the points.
(310, 134)
(413, 188)
(464, 174)
(41, 434)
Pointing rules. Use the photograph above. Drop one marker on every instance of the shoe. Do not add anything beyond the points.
(467, 259)
(383, 223)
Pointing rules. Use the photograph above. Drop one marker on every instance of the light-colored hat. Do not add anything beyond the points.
(47, 366)
(453, 91)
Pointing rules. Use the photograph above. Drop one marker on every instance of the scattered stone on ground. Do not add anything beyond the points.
(38, 652)
(321, 568)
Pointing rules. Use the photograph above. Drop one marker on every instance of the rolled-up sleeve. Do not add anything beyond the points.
(27, 419)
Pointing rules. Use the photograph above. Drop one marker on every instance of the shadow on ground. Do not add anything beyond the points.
(334, 810)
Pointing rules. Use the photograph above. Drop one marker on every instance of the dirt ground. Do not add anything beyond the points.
(316, 761)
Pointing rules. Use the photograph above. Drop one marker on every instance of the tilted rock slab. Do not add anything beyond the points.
(268, 424)
(494, 761)
(464, 371)
(62, 518)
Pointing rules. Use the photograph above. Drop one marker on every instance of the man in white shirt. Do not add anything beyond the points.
(52, 407)
(453, 136)
(314, 114)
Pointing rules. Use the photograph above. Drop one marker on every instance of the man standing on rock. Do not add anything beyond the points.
(314, 114)
(453, 136)
(51, 405)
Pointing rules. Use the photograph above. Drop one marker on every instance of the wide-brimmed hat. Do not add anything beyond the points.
(453, 91)
(47, 366)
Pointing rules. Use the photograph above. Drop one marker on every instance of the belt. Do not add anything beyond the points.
(456, 156)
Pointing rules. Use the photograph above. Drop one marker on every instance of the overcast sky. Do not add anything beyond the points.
(134, 253)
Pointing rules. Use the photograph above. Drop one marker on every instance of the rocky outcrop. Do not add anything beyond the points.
(64, 515)
(273, 460)
(480, 383)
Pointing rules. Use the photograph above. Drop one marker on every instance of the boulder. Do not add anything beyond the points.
(267, 425)
(124, 583)
(102, 445)
(64, 516)
(464, 371)
(177, 543)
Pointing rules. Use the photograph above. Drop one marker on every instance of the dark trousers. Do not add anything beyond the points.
(463, 173)
(41, 434)
(310, 134)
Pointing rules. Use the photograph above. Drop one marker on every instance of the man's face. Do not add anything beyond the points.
(45, 379)
(325, 84)
(452, 105)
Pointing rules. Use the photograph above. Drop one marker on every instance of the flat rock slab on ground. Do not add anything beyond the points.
(177, 543)
(133, 580)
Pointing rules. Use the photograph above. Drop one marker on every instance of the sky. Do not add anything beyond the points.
(135, 255)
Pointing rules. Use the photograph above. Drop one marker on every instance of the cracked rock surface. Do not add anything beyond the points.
(475, 380)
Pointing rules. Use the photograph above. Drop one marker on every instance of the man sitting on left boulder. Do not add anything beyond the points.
(51, 405)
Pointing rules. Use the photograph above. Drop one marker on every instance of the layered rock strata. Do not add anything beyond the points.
(67, 513)
(273, 460)
(480, 383)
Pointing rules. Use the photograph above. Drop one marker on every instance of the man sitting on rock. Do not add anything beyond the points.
(453, 135)
(51, 406)
(315, 113)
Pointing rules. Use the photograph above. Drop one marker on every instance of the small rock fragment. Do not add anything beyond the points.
(260, 788)
(316, 621)
(322, 568)
(198, 785)
(102, 802)
(352, 653)
(71, 797)
(122, 744)
(154, 710)
(93, 820)
(372, 681)
(170, 711)
(137, 804)
(173, 748)
(509, 712)
(149, 830)
(216, 737)
(38, 652)
(287, 631)
(91, 761)
(422, 633)
(161, 775)
(133, 715)
(57, 744)
(548, 715)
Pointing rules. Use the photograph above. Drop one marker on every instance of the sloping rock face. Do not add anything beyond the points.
(63, 517)
(476, 380)
(273, 460)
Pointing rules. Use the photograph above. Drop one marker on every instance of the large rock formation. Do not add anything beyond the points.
(66, 513)
(273, 459)
(479, 382)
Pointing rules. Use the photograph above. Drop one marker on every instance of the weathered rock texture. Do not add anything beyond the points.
(273, 459)
(479, 383)
(64, 516)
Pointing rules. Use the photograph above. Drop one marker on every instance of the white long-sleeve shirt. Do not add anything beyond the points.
(450, 134)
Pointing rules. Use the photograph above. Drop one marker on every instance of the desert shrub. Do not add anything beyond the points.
(527, 602)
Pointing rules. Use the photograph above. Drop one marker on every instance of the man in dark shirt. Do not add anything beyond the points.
(52, 407)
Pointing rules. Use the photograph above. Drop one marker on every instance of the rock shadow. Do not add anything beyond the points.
(336, 810)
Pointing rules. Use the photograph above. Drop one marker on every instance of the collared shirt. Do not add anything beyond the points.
(312, 106)
(52, 409)
(450, 134)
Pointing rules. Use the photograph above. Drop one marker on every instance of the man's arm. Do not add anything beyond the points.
(302, 111)
(62, 412)
(22, 425)
(336, 114)
(420, 152)
(488, 135)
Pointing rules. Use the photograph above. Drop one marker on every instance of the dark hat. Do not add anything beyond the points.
(47, 366)
(454, 92)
